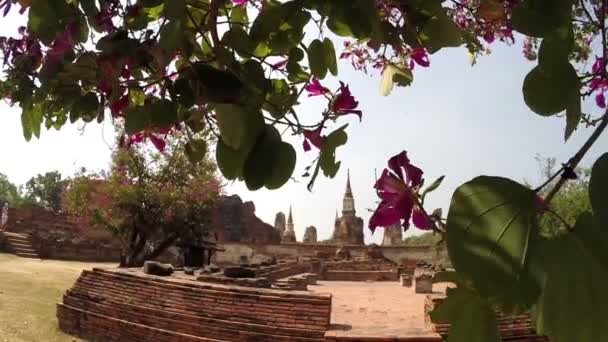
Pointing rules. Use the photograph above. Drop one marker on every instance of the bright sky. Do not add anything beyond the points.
(455, 120)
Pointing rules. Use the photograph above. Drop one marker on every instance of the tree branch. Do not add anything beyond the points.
(574, 161)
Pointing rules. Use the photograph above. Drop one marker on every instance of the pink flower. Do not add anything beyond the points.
(600, 100)
(315, 88)
(345, 103)
(397, 189)
(119, 105)
(239, 2)
(280, 64)
(420, 56)
(314, 138)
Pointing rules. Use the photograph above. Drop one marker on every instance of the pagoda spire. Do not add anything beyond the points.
(348, 188)
(290, 218)
(348, 202)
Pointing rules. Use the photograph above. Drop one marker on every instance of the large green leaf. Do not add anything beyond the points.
(171, 35)
(439, 32)
(547, 91)
(283, 166)
(327, 158)
(572, 306)
(216, 85)
(330, 56)
(270, 163)
(556, 47)
(230, 161)
(573, 115)
(491, 232)
(239, 126)
(471, 317)
(598, 189)
(46, 18)
(316, 59)
(539, 18)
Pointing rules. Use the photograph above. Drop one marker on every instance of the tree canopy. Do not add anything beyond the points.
(240, 68)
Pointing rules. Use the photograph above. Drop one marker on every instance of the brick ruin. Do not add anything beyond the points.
(269, 302)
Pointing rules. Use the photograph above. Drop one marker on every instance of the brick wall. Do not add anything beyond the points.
(122, 305)
(293, 250)
(60, 236)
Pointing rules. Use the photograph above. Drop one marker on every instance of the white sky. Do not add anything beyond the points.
(456, 120)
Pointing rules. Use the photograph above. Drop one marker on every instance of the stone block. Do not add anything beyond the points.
(238, 272)
(157, 268)
(189, 270)
(424, 283)
(406, 280)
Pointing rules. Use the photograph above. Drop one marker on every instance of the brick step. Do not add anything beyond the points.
(382, 339)
(90, 326)
(302, 297)
(27, 255)
(24, 250)
(188, 315)
(174, 302)
(187, 324)
(15, 235)
(220, 305)
(21, 245)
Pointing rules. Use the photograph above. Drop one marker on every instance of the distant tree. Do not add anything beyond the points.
(426, 239)
(568, 203)
(45, 190)
(150, 199)
(9, 192)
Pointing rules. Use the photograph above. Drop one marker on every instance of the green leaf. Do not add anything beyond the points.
(238, 125)
(598, 190)
(556, 47)
(471, 317)
(137, 119)
(538, 18)
(47, 18)
(283, 166)
(270, 163)
(230, 161)
(268, 20)
(171, 36)
(238, 15)
(175, 9)
(196, 149)
(327, 157)
(439, 32)
(572, 306)
(31, 120)
(573, 115)
(330, 56)
(547, 91)
(137, 97)
(238, 39)
(316, 59)
(216, 85)
(163, 113)
(491, 231)
(85, 107)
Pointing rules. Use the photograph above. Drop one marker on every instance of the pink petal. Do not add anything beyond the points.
(306, 145)
(420, 219)
(398, 163)
(158, 142)
(383, 217)
(600, 100)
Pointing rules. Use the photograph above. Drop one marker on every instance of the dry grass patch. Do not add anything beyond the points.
(29, 291)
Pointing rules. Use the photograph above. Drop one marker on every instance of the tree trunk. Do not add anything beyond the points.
(161, 248)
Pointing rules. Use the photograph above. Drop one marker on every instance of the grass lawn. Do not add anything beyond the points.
(29, 290)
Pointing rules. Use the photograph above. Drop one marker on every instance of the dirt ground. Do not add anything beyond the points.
(29, 290)
(375, 309)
